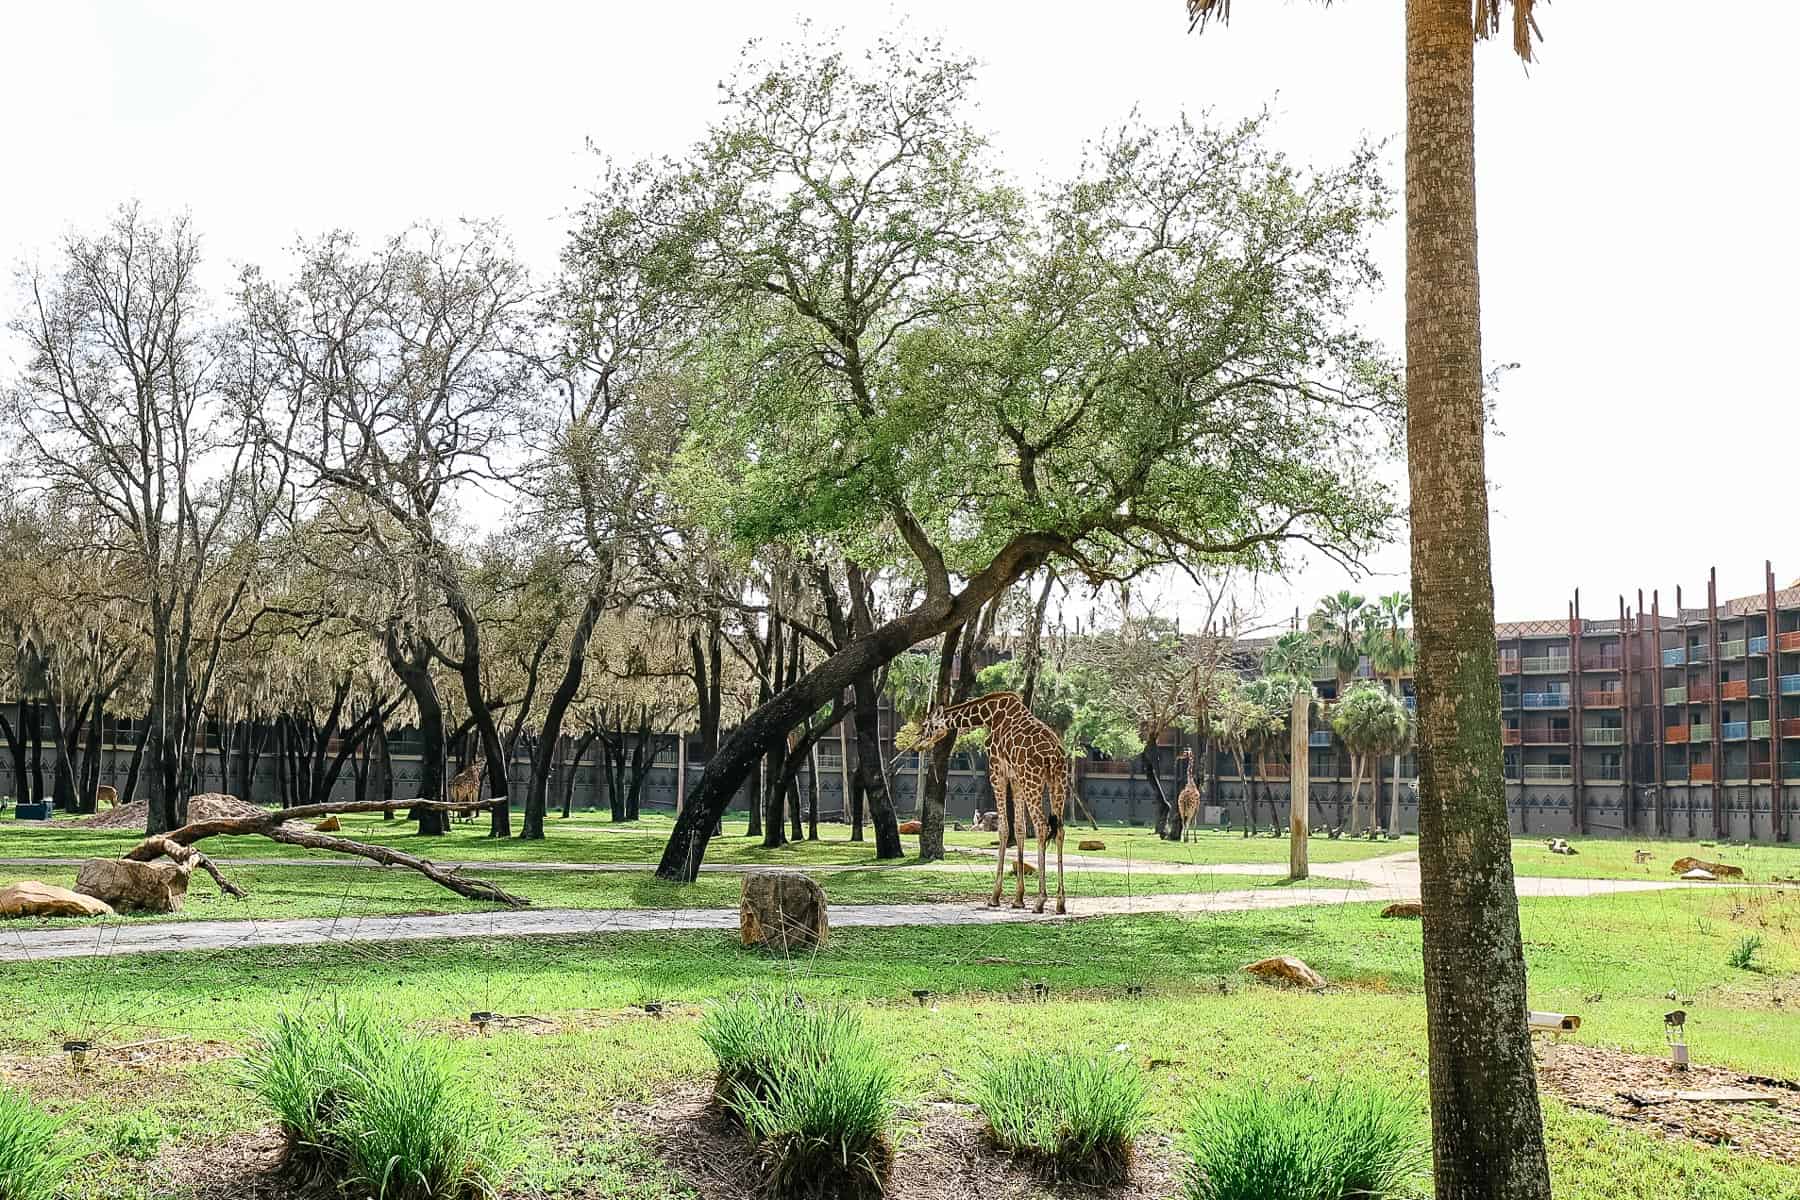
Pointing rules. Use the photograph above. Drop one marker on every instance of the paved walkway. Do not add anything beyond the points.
(1395, 877)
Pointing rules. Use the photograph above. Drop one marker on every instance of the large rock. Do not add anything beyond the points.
(909, 827)
(1090, 844)
(29, 898)
(783, 910)
(328, 825)
(1682, 866)
(988, 822)
(1285, 968)
(1404, 908)
(134, 886)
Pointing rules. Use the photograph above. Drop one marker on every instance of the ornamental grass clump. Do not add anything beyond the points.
(1074, 1116)
(33, 1162)
(366, 1105)
(811, 1089)
(1349, 1141)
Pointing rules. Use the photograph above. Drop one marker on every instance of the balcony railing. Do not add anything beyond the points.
(1787, 643)
(1546, 735)
(1790, 685)
(1734, 689)
(1698, 654)
(1604, 735)
(1759, 770)
(1319, 737)
(1759, 686)
(1700, 693)
(1674, 734)
(1509, 663)
(1675, 695)
(1700, 773)
(1760, 729)
(1735, 731)
(1512, 737)
(1700, 732)
(1610, 661)
(1605, 772)
(1675, 657)
(1548, 772)
(1759, 644)
(1547, 664)
(1732, 649)
(1551, 699)
(1273, 770)
(1790, 727)
(1603, 699)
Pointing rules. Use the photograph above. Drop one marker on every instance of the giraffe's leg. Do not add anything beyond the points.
(1018, 816)
(1043, 837)
(998, 779)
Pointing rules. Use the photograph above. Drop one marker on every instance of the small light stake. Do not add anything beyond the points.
(652, 1008)
(1135, 991)
(1678, 1055)
(1039, 991)
(78, 1053)
(482, 1019)
(922, 995)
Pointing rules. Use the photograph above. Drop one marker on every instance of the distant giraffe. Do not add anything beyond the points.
(465, 788)
(1189, 800)
(1025, 757)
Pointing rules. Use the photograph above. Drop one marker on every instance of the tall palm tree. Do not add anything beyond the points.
(1487, 1129)
(1394, 655)
(1343, 623)
(1294, 656)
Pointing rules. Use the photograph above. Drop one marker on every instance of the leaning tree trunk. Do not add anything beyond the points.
(1487, 1131)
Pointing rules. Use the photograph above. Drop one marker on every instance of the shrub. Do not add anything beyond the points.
(1075, 1114)
(811, 1089)
(32, 1163)
(1304, 1143)
(1743, 954)
(363, 1102)
(415, 1130)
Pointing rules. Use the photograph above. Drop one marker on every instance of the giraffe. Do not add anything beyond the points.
(1189, 799)
(465, 788)
(1025, 759)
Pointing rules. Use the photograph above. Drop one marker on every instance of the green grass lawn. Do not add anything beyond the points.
(1199, 1026)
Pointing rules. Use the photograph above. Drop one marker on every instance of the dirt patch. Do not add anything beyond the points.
(1640, 1090)
(206, 807)
(113, 1071)
(241, 1167)
(942, 1154)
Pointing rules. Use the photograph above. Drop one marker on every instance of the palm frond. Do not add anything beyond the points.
(1489, 20)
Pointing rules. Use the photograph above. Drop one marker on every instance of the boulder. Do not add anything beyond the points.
(988, 822)
(1090, 844)
(1285, 968)
(1412, 909)
(1682, 866)
(1029, 869)
(783, 910)
(1699, 873)
(134, 886)
(29, 898)
(328, 825)
(909, 827)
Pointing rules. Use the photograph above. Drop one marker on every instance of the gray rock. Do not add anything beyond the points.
(783, 910)
(134, 886)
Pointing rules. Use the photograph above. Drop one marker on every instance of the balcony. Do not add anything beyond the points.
(1735, 731)
(1513, 737)
(1700, 731)
(1790, 685)
(1603, 699)
(1760, 730)
(1548, 773)
(1759, 686)
(1790, 727)
(1509, 699)
(1674, 658)
(1732, 649)
(1604, 773)
(1700, 693)
(1698, 654)
(1759, 771)
(1604, 735)
(1675, 696)
(1700, 773)
(1610, 660)
(1319, 737)
(1788, 643)
(1558, 699)
(1759, 644)
(1675, 734)
(1509, 663)
(1548, 664)
(1273, 770)
(1546, 735)
(1734, 689)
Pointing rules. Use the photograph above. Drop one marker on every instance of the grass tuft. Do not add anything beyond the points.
(1743, 954)
(362, 1102)
(1075, 1115)
(33, 1163)
(1304, 1143)
(811, 1088)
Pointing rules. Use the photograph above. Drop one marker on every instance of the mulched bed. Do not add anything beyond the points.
(942, 1155)
(1633, 1089)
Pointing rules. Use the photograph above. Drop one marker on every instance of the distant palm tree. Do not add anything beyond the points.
(1487, 1127)
(1342, 623)
(1371, 724)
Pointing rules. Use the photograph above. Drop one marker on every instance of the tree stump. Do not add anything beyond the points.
(1285, 968)
(29, 898)
(783, 910)
(1090, 844)
(134, 886)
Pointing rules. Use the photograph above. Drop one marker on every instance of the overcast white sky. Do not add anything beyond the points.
(1639, 246)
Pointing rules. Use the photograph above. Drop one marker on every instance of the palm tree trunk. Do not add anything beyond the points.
(1487, 1130)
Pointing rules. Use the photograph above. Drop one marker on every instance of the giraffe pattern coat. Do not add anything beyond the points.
(1188, 802)
(1026, 760)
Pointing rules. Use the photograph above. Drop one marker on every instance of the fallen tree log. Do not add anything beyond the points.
(282, 825)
